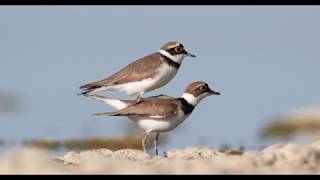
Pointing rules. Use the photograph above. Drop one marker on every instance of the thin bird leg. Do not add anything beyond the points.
(144, 142)
(156, 143)
(140, 96)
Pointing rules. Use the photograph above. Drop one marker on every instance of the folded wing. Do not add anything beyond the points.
(160, 108)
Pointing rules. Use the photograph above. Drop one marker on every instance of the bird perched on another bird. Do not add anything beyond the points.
(145, 74)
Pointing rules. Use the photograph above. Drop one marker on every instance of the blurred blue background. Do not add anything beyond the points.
(263, 59)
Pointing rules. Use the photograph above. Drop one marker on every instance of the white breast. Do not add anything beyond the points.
(157, 125)
(165, 74)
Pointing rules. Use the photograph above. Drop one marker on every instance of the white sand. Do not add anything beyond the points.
(279, 158)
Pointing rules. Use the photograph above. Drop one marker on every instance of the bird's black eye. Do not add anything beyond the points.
(203, 88)
(178, 49)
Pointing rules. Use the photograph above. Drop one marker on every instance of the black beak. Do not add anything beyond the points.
(189, 54)
(211, 92)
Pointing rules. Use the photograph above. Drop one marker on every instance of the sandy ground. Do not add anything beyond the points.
(276, 159)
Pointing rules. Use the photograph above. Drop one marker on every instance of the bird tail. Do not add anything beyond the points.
(101, 98)
(115, 103)
(84, 93)
(105, 114)
(91, 88)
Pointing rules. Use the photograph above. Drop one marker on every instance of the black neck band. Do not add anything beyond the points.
(187, 108)
(171, 62)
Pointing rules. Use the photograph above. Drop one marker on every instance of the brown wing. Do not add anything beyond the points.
(156, 108)
(160, 96)
(138, 70)
(151, 98)
(130, 102)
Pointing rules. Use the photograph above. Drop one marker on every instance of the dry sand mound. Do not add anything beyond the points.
(278, 158)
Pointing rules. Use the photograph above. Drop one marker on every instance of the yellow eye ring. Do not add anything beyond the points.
(178, 49)
(202, 88)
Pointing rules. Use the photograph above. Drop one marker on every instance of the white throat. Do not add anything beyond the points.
(191, 99)
(176, 58)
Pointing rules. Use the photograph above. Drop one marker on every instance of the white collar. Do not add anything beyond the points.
(176, 58)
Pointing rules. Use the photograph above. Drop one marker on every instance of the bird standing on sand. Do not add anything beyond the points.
(158, 113)
(145, 74)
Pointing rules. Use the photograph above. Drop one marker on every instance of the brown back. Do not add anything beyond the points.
(163, 107)
(138, 70)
